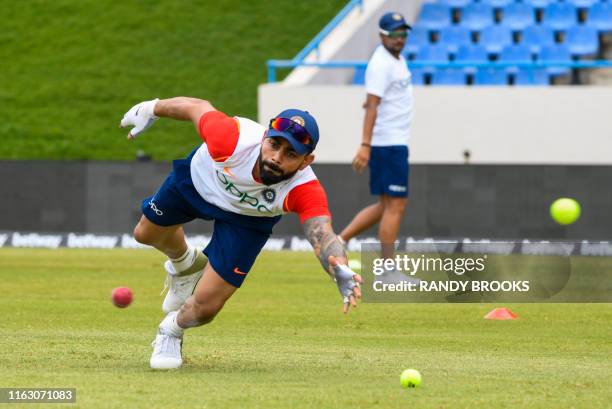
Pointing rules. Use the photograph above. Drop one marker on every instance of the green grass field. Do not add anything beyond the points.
(282, 342)
(71, 69)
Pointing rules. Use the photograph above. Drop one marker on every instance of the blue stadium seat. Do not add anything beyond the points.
(434, 16)
(497, 3)
(600, 16)
(560, 16)
(359, 76)
(535, 37)
(454, 36)
(556, 53)
(435, 53)
(490, 76)
(518, 16)
(582, 40)
(476, 16)
(418, 76)
(471, 54)
(417, 37)
(455, 3)
(539, 4)
(582, 4)
(448, 77)
(532, 77)
(515, 53)
(495, 38)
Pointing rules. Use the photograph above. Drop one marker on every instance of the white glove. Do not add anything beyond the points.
(141, 116)
(345, 281)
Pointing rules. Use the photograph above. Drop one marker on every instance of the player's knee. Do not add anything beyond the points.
(142, 235)
(396, 205)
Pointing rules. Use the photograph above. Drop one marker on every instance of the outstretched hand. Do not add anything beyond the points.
(141, 116)
(347, 281)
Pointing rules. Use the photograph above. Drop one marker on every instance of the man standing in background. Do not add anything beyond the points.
(386, 130)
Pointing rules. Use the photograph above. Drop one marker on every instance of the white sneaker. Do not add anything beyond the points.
(181, 286)
(166, 352)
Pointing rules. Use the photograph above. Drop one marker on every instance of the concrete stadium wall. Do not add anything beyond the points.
(446, 200)
(498, 125)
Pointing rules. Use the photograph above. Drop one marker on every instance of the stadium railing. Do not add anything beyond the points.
(273, 65)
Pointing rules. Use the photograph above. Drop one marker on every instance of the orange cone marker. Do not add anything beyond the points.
(501, 314)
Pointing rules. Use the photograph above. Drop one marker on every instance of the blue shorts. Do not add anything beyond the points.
(389, 170)
(237, 239)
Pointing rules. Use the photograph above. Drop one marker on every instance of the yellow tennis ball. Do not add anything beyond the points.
(565, 210)
(410, 378)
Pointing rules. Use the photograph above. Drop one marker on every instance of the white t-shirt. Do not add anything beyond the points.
(389, 78)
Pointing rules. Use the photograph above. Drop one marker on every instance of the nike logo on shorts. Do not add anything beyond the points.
(239, 272)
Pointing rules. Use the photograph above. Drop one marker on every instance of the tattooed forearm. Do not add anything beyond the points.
(334, 248)
(323, 239)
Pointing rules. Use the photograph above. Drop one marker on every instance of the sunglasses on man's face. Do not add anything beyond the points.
(296, 130)
(395, 34)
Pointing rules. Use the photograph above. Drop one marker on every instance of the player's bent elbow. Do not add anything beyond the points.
(206, 106)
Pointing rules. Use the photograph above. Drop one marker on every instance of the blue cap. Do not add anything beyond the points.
(302, 118)
(393, 21)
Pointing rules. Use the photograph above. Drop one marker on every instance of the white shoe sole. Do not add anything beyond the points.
(165, 363)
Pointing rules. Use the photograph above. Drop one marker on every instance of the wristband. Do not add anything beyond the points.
(367, 145)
